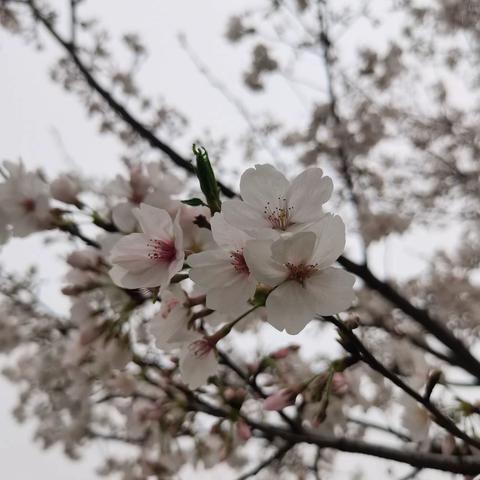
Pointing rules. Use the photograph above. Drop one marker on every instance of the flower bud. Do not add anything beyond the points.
(279, 400)
(66, 190)
(243, 431)
(280, 353)
(84, 259)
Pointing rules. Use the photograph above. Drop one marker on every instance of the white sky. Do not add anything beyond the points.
(35, 114)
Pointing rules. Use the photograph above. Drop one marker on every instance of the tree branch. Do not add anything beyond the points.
(278, 455)
(354, 346)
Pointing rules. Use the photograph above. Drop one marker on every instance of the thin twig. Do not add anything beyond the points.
(278, 455)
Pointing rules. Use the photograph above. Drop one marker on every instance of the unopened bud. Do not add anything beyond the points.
(352, 322)
(279, 400)
(66, 190)
(84, 259)
(243, 431)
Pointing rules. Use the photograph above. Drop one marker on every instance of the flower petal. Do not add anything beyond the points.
(258, 256)
(330, 232)
(155, 276)
(154, 222)
(131, 253)
(212, 269)
(296, 249)
(230, 298)
(307, 193)
(123, 217)
(290, 307)
(226, 235)
(332, 289)
(244, 216)
(262, 184)
(196, 370)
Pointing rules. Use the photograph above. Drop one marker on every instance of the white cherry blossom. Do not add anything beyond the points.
(299, 267)
(151, 258)
(198, 361)
(223, 273)
(170, 325)
(145, 184)
(273, 205)
(24, 197)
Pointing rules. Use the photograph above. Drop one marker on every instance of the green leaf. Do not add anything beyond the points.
(194, 202)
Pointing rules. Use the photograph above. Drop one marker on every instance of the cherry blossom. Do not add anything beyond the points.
(170, 325)
(65, 189)
(198, 361)
(24, 197)
(223, 273)
(299, 269)
(145, 184)
(151, 258)
(273, 205)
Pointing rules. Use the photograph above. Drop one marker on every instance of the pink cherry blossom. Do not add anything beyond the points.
(150, 258)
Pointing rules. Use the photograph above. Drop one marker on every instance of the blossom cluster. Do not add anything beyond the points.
(272, 248)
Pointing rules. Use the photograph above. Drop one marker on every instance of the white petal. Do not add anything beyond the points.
(263, 184)
(177, 264)
(208, 257)
(212, 269)
(244, 216)
(290, 307)
(226, 235)
(155, 276)
(154, 222)
(307, 193)
(296, 249)
(170, 330)
(123, 217)
(258, 256)
(230, 298)
(332, 289)
(330, 244)
(131, 253)
(196, 370)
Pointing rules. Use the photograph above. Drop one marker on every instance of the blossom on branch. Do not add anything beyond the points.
(222, 272)
(272, 205)
(151, 258)
(299, 270)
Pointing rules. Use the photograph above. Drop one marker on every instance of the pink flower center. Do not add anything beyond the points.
(238, 261)
(28, 204)
(161, 250)
(279, 217)
(300, 272)
(200, 348)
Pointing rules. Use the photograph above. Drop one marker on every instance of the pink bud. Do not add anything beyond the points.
(279, 400)
(281, 353)
(84, 259)
(65, 189)
(243, 431)
(339, 384)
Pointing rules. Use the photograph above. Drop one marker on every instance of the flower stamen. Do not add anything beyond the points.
(279, 217)
(238, 261)
(161, 250)
(300, 273)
